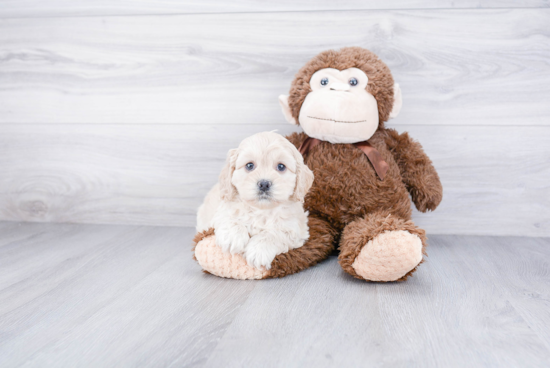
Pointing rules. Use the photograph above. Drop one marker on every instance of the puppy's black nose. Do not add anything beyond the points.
(264, 185)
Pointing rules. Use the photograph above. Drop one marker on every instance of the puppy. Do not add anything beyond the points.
(256, 209)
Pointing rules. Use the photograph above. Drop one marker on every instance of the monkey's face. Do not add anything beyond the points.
(342, 96)
(339, 109)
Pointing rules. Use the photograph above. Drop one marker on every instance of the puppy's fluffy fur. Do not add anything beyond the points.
(259, 224)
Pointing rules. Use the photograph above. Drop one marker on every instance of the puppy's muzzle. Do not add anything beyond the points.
(264, 186)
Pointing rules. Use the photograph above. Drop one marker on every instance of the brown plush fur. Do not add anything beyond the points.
(347, 196)
(321, 243)
(198, 237)
(417, 171)
(348, 204)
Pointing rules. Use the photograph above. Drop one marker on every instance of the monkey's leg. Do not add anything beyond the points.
(213, 260)
(318, 247)
(381, 247)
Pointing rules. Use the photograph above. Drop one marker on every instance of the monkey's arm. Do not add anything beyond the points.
(417, 171)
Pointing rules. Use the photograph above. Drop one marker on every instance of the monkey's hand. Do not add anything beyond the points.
(417, 171)
(428, 193)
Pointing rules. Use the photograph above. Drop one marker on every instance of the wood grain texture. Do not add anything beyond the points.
(83, 8)
(495, 180)
(130, 174)
(475, 67)
(450, 314)
(97, 295)
(106, 296)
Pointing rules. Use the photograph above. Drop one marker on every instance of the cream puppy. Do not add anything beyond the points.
(257, 208)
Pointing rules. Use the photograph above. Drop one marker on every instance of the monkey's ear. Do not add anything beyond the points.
(397, 101)
(283, 101)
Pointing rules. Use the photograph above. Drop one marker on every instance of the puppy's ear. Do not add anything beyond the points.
(228, 192)
(304, 178)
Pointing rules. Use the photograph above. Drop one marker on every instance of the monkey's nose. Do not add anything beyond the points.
(264, 185)
(339, 87)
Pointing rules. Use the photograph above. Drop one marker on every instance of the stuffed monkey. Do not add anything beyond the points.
(359, 203)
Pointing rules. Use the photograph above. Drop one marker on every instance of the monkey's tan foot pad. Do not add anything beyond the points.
(389, 256)
(232, 266)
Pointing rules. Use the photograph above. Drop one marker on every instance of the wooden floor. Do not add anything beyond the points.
(105, 296)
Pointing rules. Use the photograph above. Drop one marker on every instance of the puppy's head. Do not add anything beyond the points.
(265, 171)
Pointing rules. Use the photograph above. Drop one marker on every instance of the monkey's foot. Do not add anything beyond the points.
(381, 247)
(389, 256)
(217, 262)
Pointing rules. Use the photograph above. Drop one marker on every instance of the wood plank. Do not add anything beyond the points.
(103, 296)
(110, 296)
(318, 318)
(455, 67)
(30, 267)
(461, 310)
(80, 8)
(495, 179)
(450, 314)
(10, 234)
(522, 275)
(141, 174)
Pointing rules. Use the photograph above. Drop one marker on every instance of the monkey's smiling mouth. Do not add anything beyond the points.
(339, 121)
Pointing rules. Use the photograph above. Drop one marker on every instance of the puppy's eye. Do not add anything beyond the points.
(353, 82)
(250, 166)
(281, 167)
(324, 81)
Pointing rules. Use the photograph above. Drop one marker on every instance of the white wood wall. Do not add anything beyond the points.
(122, 111)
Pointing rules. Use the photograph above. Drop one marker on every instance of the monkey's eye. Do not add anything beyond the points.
(281, 167)
(324, 81)
(353, 82)
(250, 166)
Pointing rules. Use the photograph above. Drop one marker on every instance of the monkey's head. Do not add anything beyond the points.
(342, 96)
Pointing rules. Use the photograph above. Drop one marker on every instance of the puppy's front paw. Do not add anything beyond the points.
(233, 240)
(239, 240)
(259, 253)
